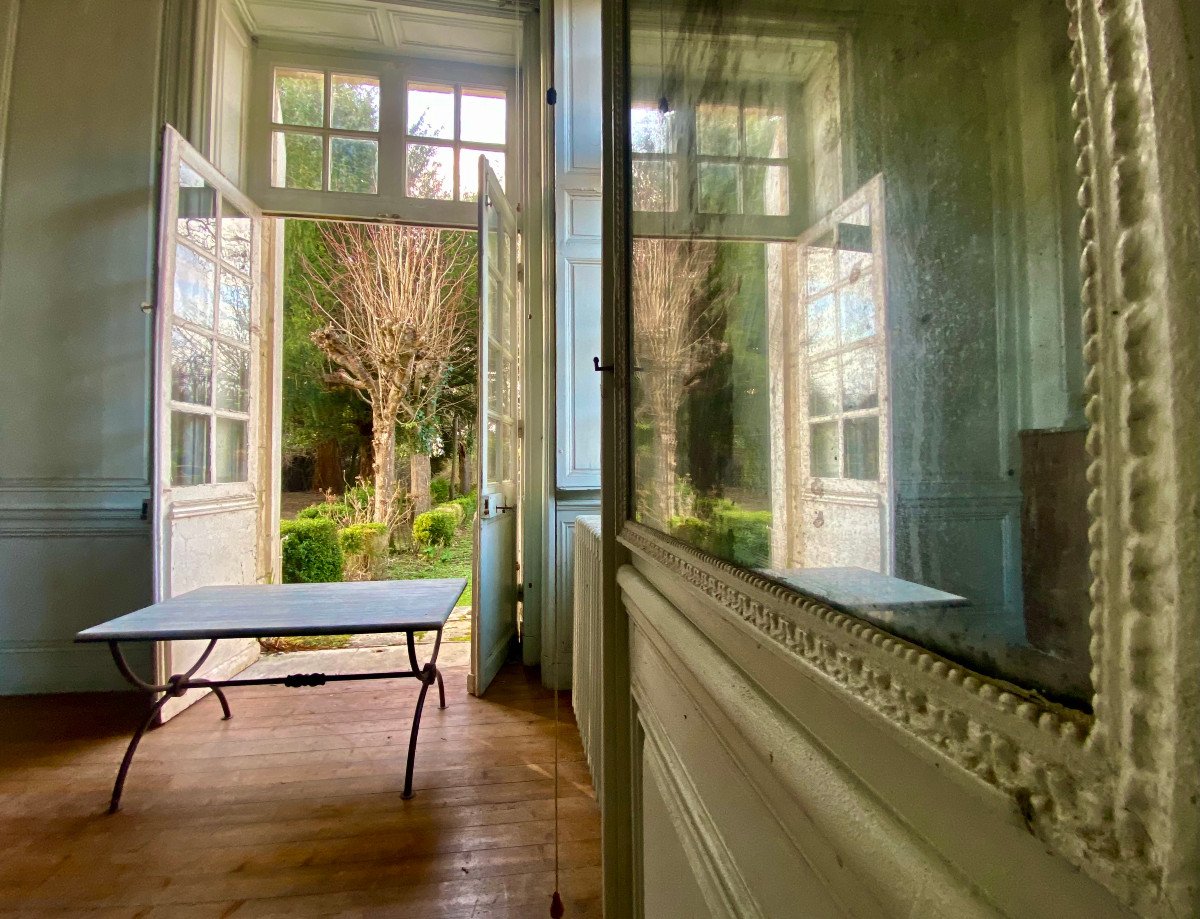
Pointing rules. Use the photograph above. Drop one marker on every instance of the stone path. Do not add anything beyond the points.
(458, 629)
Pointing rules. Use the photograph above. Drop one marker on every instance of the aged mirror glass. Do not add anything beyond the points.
(856, 316)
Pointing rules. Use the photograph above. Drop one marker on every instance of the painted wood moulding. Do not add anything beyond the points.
(1114, 791)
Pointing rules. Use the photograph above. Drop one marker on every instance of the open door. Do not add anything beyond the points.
(495, 563)
(208, 398)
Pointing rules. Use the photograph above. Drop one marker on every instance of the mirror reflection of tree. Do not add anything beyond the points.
(678, 306)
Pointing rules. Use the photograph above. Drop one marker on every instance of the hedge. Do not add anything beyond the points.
(326, 510)
(362, 538)
(434, 528)
(738, 536)
(467, 503)
(456, 510)
(311, 552)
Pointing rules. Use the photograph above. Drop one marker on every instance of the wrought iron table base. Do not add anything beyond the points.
(180, 683)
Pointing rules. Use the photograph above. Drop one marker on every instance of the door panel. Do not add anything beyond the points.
(494, 581)
(208, 404)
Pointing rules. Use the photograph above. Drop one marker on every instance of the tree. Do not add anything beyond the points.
(677, 304)
(328, 425)
(391, 301)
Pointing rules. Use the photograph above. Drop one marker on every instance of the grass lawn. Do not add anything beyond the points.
(452, 561)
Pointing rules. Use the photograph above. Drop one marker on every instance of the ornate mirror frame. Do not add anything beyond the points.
(1116, 792)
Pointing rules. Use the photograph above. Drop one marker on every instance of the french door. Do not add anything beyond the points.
(208, 400)
(495, 576)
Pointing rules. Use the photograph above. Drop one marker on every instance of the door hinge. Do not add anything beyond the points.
(551, 96)
(520, 272)
(145, 508)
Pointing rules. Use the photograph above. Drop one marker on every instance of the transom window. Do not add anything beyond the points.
(731, 158)
(325, 131)
(448, 127)
(210, 336)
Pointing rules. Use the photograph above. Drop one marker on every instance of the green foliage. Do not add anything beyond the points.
(363, 538)
(439, 490)
(313, 412)
(336, 511)
(311, 552)
(740, 536)
(468, 504)
(457, 511)
(434, 528)
(359, 498)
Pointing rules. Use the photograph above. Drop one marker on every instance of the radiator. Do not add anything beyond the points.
(585, 668)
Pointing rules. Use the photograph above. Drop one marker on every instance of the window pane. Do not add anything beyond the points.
(431, 172)
(860, 381)
(233, 379)
(468, 171)
(236, 230)
(483, 116)
(766, 132)
(194, 296)
(354, 103)
(717, 130)
(820, 266)
(235, 307)
(823, 388)
(858, 310)
(189, 449)
(353, 165)
(650, 130)
(499, 378)
(197, 219)
(824, 449)
(299, 97)
(297, 160)
(862, 447)
(718, 188)
(765, 189)
(654, 182)
(231, 450)
(191, 367)
(431, 111)
(822, 324)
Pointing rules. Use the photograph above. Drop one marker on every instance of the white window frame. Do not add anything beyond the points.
(456, 143)
(391, 201)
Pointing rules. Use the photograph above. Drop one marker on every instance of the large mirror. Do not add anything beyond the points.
(855, 314)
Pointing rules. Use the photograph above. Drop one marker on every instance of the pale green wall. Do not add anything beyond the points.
(76, 238)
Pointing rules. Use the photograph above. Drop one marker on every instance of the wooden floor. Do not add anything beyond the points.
(293, 808)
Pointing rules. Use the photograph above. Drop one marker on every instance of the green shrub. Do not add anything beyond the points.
(467, 503)
(742, 537)
(692, 530)
(434, 528)
(439, 491)
(326, 510)
(455, 510)
(362, 538)
(359, 497)
(311, 553)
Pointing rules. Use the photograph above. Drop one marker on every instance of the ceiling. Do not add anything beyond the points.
(477, 31)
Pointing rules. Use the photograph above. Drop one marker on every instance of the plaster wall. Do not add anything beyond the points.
(76, 255)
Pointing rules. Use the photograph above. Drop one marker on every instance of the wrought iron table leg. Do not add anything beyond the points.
(224, 702)
(114, 803)
(429, 673)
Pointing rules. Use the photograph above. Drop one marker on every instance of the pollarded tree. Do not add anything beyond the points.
(391, 300)
(677, 306)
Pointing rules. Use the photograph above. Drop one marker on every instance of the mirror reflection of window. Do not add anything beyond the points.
(856, 315)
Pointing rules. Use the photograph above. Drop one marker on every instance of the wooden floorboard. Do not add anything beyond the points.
(293, 808)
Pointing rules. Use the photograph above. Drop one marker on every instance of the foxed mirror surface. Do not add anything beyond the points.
(855, 314)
